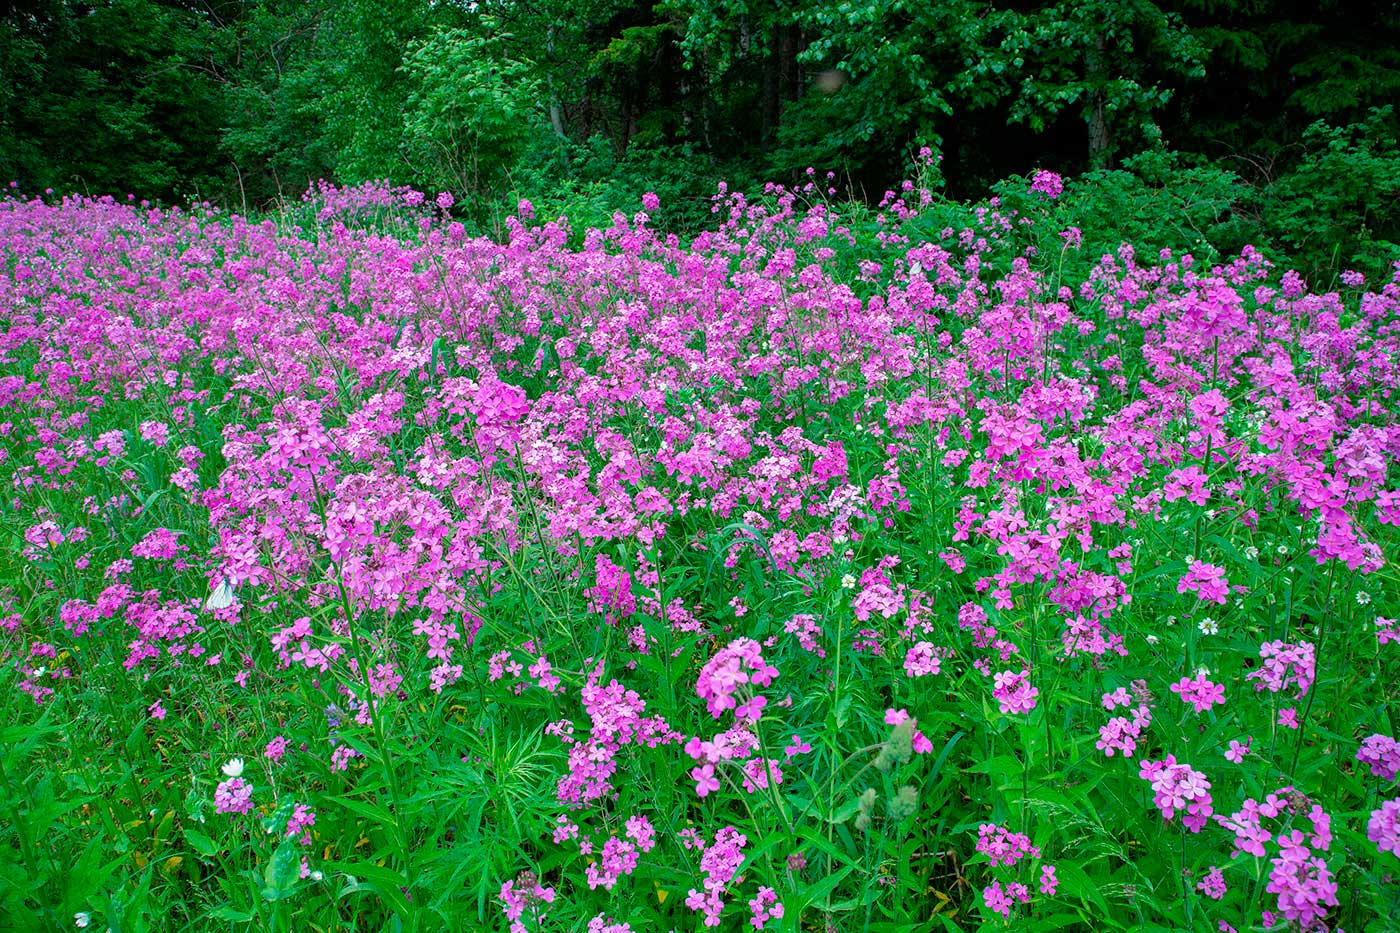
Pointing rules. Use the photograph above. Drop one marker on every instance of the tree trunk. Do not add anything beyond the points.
(772, 92)
(787, 66)
(556, 110)
(1100, 145)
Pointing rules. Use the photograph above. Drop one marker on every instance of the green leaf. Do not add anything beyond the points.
(371, 811)
(1075, 883)
(385, 882)
(282, 870)
(1002, 766)
(202, 844)
(230, 914)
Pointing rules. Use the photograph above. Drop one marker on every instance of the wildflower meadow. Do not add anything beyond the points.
(834, 569)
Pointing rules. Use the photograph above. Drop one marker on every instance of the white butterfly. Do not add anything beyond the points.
(221, 598)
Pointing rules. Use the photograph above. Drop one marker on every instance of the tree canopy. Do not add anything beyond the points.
(246, 100)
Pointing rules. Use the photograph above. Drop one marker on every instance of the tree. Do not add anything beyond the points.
(470, 109)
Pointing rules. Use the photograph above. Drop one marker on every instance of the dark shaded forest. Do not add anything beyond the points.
(1278, 111)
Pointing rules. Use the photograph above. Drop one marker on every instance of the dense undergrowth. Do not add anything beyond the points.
(879, 571)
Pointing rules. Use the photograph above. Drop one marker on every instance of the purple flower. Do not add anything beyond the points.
(233, 796)
(1047, 183)
(1384, 827)
(1207, 581)
(1201, 693)
(1382, 754)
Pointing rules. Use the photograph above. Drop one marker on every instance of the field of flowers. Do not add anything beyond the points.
(825, 573)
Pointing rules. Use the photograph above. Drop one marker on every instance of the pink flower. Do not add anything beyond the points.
(1014, 693)
(764, 906)
(921, 660)
(1381, 754)
(1047, 183)
(797, 747)
(996, 899)
(1004, 847)
(738, 664)
(1207, 581)
(1178, 788)
(1285, 665)
(1236, 751)
(1201, 693)
(1303, 882)
(233, 796)
(156, 432)
(342, 756)
(720, 863)
(1384, 827)
(1213, 884)
(705, 781)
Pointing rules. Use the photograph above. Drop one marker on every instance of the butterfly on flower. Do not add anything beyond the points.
(221, 598)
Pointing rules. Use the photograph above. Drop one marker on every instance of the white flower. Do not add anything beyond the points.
(1208, 626)
(1363, 598)
(317, 876)
(81, 919)
(233, 768)
(1202, 672)
(1283, 549)
(1152, 639)
(1251, 552)
(848, 582)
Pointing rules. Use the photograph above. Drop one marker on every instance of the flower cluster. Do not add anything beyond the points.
(1179, 789)
(522, 898)
(722, 678)
(1383, 828)
(1381, 754)
(1201, 693)
(234, 795)
(720, 861)
(1285, 665)
(1004, 849)
(354, 476)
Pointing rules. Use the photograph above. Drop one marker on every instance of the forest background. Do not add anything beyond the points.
(1189, 124)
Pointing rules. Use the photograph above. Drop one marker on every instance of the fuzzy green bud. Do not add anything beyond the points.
(898, 748)
(905, 803)
(866, 802)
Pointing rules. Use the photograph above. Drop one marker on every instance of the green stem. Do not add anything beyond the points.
(376, 720)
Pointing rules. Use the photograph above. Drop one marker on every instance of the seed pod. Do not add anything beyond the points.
(905, 803)
(901, 743)
(898, 748)
(866, 802)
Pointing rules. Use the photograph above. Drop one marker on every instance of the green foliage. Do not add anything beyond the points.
(590, 182)
(1204, 124)
(1340, 206)
(363, 86)
(109, 97)
(273, 125)
(1158, 200)
(470, 110)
